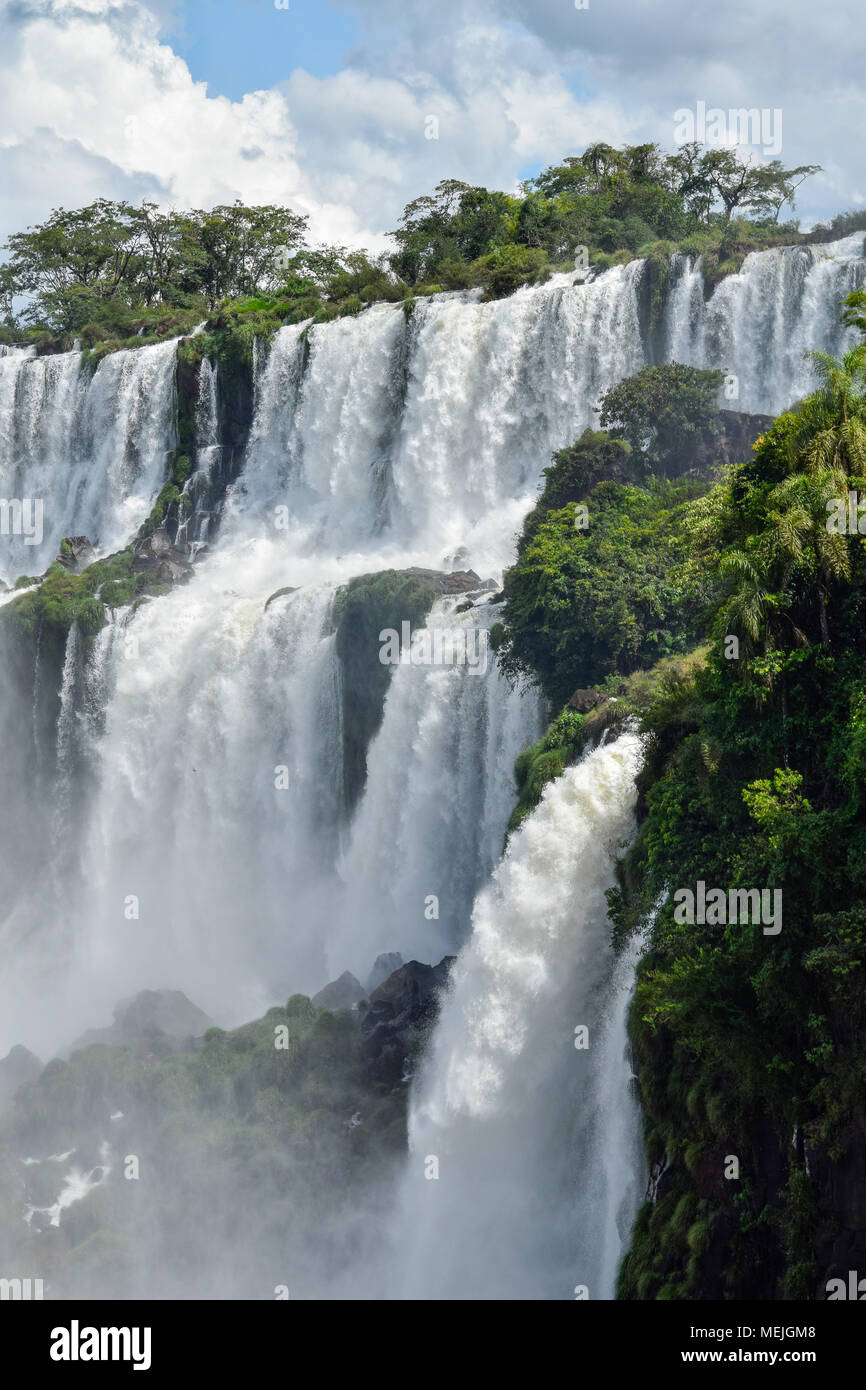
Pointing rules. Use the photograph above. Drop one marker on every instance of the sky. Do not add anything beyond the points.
(347, 110)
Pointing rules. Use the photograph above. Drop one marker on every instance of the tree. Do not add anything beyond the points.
(111, 257)
(457, 222)
(773, 186)
(854, 312)
(797, 517)
(835, 418)
(246, 248)
(664, 413)
(75, 259)
(688, 177)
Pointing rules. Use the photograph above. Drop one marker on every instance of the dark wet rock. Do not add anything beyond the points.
(438, 582)
(400, 1014)
(733, 444)
(585, 700)
(157, 558)
(76, 553)
(280, 593)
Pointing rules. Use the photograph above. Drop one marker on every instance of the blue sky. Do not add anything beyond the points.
(239, 46)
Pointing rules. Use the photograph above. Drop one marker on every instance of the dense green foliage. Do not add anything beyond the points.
(665, 412)
(63, 597)
(755, 776)
(607, 201)
(537, 765)
(598, 592)
(110, 271)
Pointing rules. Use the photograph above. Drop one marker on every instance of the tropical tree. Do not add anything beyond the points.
(664, 412)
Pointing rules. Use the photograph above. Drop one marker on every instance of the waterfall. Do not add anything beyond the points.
(199, 502)
(378, 431)
(248, 886)
(383, 440)
(760, 323)
(191, 756)
(91, 449)
(439, 788)
(514, 1188)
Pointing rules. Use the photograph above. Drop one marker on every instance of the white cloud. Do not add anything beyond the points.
(94, 78)
(93, 101)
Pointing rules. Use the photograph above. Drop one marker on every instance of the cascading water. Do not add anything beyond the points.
(761, 323)
(193, 751)
(428, 433)
(440, 784)
(91, 450)
(199, 503)
(513, 1189)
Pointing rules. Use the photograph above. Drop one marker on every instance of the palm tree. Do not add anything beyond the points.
(748, 607)
(798, 535)
(838, 409)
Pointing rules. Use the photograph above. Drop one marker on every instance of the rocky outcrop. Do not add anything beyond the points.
(383, 966)
(400, 1014)
(442, 582)
(280, 593)
(739, 431)
(156, 557)
(76, 553)
(585, 700)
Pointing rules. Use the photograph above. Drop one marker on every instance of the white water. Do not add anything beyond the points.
(377, 442)
(195, 520)
(440, 788)
(92, 450)
(761, 323)
(536, 1141)
(77, 1184)
(431, 435)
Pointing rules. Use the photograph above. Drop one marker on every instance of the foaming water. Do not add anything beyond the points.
(439, 788)
(530, 1201)
(383, 440)
(429, 433)
(761, 323)
(92, 450)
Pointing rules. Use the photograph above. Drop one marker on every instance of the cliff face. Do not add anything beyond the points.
(778, 1219)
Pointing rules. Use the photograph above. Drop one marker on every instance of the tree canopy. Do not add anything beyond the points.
(87, 270)
(664, 412)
